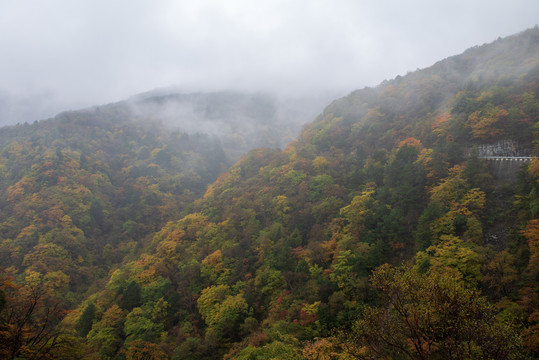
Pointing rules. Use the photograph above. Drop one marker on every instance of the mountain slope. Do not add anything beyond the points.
(85, 190)
(121, 171)
(241, 121)
(279, 251)
(286, 254)
(89, 189)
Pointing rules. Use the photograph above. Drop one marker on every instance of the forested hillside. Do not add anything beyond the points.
(81, 191)
(241, 121)
(380, 233)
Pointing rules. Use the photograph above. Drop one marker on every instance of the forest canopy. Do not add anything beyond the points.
(383, 232)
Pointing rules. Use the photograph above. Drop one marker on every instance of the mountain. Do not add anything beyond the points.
(241, 121)
(87, 189)
(83, 191)
(97, 182)
(383, 231)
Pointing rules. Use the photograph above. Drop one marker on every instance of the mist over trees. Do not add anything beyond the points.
(381, 232)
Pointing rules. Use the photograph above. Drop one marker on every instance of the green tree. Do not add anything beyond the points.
(222, 312)
(139, 326)
(84, 324)
(105, 338)
(131, 296)
(286, 348)
(451, 254)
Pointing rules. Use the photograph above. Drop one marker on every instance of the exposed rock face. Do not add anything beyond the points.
(506, 148)
(504, 169)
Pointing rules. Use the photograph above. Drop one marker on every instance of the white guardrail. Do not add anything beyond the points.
(512, 158)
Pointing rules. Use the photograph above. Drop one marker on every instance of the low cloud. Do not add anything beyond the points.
(83, 54)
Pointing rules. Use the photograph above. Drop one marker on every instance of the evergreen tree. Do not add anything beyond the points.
(131, 296)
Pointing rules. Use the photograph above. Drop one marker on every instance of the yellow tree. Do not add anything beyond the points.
(429, 316)
(222, 312)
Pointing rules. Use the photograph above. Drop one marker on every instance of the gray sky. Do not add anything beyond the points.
(66, 54)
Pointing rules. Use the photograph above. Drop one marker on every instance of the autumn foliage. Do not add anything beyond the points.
(380, 233)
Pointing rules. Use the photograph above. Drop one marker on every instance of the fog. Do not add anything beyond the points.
(63, 54)
(240, 120)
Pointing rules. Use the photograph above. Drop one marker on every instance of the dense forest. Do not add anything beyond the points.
(384, 231)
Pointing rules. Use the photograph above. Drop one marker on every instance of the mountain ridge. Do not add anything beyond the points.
(291, 253)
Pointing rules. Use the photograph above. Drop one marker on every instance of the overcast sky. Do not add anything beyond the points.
(66, 54)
